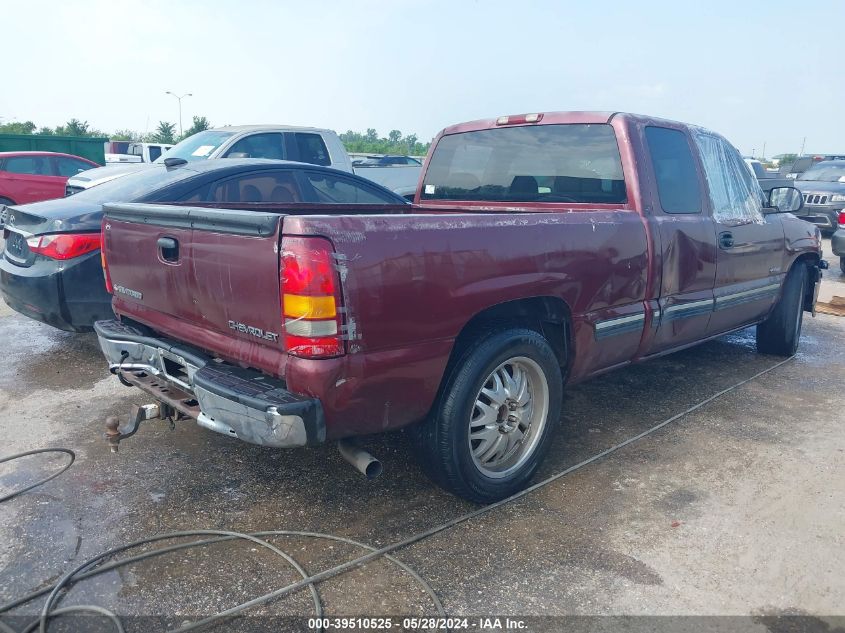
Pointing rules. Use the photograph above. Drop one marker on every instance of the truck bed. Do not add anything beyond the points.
(410, 281)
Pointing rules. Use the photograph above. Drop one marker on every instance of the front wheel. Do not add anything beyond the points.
(780, 332)
(495, 419)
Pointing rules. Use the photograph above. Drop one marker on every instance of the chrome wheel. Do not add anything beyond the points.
(508, 416)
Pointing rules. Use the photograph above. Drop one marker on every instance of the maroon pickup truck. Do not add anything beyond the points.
(542, 249)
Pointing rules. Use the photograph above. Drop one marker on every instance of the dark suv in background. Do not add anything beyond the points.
(823, 189)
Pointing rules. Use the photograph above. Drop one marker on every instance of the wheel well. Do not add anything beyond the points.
(549, 316)
(810, 262)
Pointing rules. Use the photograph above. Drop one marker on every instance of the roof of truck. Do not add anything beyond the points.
(547, 118)
(269, 126)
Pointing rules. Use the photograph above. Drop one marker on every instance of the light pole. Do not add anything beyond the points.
(179, 99)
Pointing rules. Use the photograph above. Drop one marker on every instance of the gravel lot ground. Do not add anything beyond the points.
(736, 509)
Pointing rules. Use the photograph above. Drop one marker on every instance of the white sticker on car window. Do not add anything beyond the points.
(429, 189)
(203, 150)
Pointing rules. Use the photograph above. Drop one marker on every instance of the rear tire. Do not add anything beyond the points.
(494, 420)
(780, 332)
(842, 264)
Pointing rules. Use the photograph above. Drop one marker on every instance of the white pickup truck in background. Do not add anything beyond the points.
(283, 142)
(128, 152)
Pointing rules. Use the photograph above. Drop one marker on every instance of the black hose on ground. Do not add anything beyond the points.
(87, 568)
(42, 481)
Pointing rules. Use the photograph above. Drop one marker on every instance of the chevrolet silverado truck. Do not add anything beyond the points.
(543, 249)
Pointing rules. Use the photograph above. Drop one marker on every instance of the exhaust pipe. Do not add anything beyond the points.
(363, 462)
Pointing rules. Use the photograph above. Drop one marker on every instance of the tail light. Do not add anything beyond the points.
(103, 262)
(64, 245)
(841, 219)
(310, 290)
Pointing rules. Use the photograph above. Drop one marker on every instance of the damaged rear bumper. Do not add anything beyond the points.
(238, 402)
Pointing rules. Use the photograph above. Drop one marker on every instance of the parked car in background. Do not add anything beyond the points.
(135, 152)
(33, 176)
(111, 159)
(50, 269)
(379, 160)
(794, 169)
(823, 188)
(837, 242)
(281, 142)
(398, 173)
(803, 163)
(544, 248)
(766, 179)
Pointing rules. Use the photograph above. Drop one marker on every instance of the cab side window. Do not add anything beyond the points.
(734, 193)
(258, 146)
(312, 149)
(674, 169)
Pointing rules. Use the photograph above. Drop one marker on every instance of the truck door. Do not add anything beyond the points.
(685, 240)
(750, 246)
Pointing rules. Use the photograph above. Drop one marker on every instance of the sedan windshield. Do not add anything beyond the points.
(825, 173)
(196, 147)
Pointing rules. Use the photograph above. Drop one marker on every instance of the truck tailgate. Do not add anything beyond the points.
(211, 276)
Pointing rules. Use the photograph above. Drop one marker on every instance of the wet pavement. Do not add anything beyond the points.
(735, 509)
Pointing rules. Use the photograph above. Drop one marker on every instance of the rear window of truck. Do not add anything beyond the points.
(541, 163)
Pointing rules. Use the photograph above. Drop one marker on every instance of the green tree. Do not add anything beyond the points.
(27, 127)
(75, 127)
(787, 159)
(165, 133)
(125, 135)
(395, 143)
(199, 124)
(47, 131)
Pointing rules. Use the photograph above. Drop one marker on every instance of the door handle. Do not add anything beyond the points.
(726, 240)
(169, 248)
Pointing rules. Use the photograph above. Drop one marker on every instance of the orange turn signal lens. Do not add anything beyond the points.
(302, 307)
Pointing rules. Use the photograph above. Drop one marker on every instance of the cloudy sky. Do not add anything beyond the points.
(766, 71)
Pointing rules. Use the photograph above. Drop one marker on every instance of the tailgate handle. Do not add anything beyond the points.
(168, 247)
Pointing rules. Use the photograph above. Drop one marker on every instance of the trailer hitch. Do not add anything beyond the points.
(115, 433)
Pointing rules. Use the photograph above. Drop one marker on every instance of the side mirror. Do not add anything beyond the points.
(785, 200)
